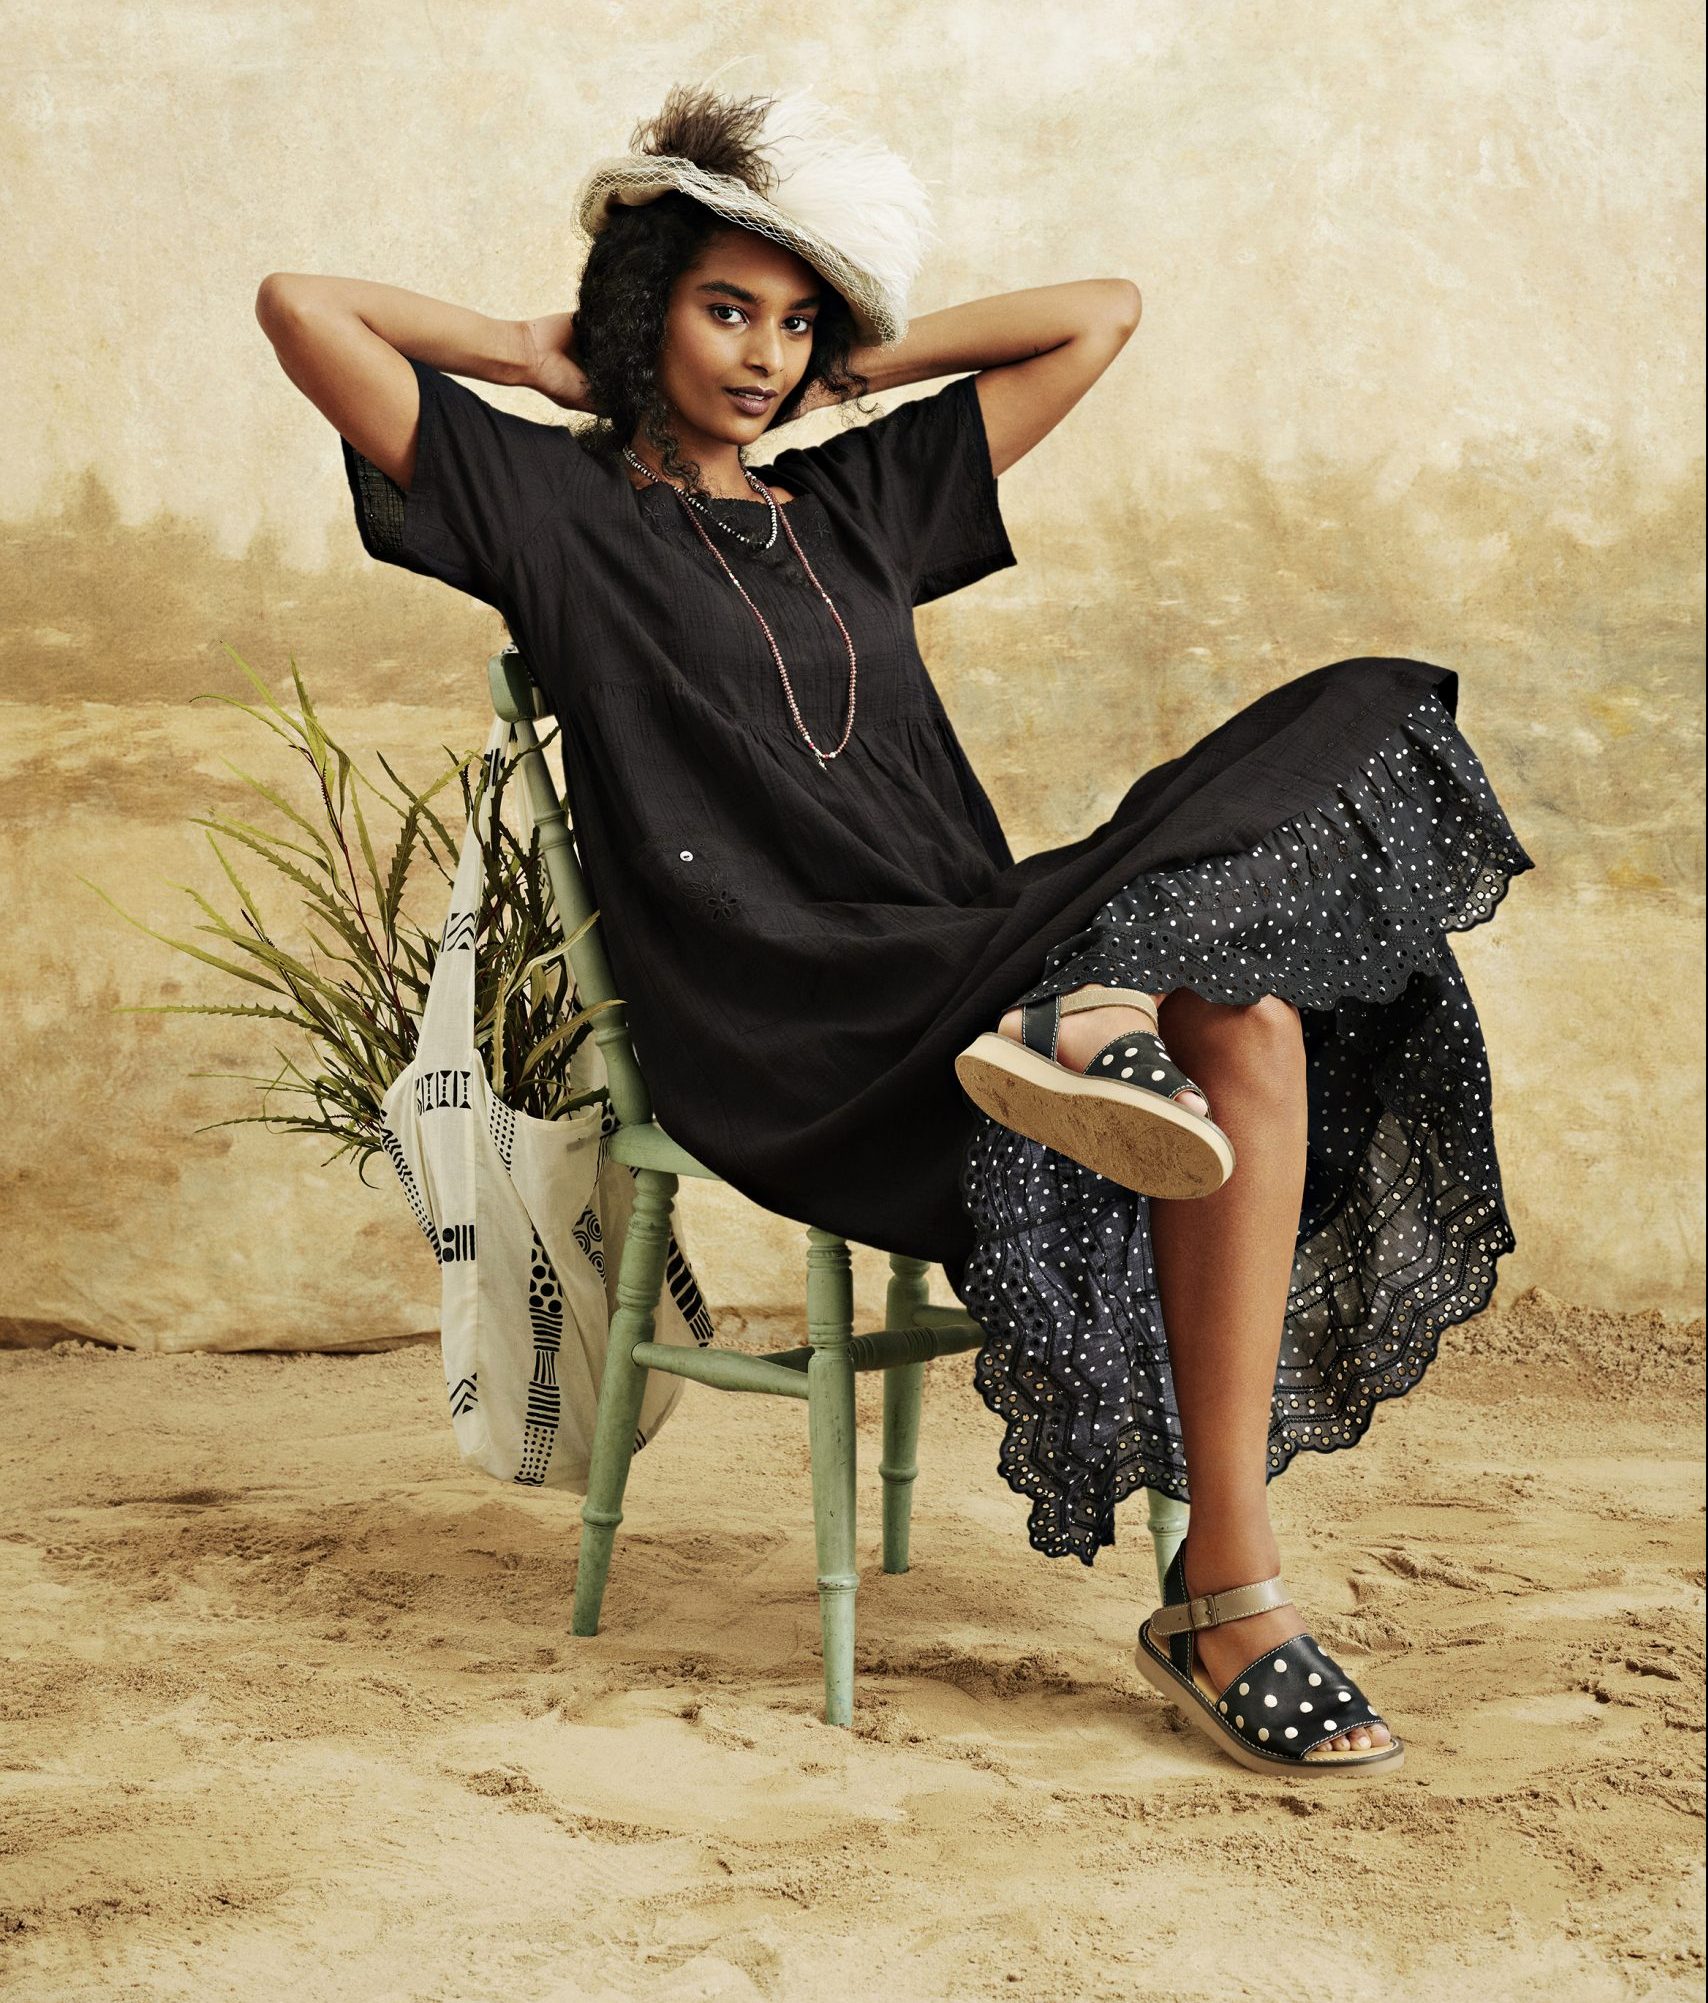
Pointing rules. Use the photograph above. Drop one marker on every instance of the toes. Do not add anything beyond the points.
(1361, 1738)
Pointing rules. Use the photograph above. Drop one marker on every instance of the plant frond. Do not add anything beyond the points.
(358, 1006)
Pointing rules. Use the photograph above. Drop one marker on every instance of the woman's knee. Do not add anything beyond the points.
(1258, 1044)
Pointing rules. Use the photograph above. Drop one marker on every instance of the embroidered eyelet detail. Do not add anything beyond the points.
(706, 882)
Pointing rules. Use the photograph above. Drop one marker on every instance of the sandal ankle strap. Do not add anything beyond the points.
(1099, 996)
(1212, 1609)
(1040, 1022)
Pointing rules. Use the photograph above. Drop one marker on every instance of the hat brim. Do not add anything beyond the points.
(630, 181)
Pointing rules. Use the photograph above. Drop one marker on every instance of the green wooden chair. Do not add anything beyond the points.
(820, 1372)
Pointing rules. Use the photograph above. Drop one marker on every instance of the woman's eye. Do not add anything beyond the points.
(723, 306)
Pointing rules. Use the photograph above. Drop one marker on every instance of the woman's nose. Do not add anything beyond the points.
(765, 353)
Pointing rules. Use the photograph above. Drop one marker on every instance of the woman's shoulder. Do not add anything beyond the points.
(918, 479)
(864, 455)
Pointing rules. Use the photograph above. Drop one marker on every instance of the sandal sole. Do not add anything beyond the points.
(1198, 1710)
(1168, 1151)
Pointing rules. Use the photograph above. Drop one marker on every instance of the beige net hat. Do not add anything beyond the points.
(786, 166)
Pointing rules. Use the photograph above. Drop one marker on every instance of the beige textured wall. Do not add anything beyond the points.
(1419, 373)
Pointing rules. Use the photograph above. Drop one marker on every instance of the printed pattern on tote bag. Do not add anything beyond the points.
(526, 1218)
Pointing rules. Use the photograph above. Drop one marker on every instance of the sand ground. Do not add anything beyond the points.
(293, 1709)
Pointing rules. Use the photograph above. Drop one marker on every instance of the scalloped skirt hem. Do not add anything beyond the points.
(1343, 910)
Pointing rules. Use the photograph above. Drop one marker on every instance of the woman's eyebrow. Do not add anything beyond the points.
(752, 298)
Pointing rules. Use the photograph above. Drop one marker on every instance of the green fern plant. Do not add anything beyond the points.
(363, 1020)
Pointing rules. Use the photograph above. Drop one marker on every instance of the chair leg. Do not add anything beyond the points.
(830, 1427)
(1167, 1525)
(904, 1385)
(640, 1282)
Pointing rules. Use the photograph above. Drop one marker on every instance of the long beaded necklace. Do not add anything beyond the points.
(695, 509)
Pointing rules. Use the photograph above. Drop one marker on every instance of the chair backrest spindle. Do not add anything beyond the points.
(517, 697)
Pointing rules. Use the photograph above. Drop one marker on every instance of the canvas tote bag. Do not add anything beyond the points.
(527, 1219)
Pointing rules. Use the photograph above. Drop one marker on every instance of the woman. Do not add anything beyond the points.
(842, 987)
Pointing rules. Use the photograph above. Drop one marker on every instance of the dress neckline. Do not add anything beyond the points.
(765, 474)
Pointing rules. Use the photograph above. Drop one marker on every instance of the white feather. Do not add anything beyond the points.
(852, 191)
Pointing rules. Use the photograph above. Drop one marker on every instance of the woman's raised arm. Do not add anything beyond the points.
(345, 343)
(1037, 352)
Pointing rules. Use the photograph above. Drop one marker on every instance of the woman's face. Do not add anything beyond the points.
(740, 317)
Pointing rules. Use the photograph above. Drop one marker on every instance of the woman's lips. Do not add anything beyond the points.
(754, 406)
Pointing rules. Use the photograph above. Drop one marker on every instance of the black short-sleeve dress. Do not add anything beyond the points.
(803, 947)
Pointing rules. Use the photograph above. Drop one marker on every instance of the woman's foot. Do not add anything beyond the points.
(1227, 1648)
(1085, 1032)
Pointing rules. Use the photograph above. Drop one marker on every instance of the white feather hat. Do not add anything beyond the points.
(855, 210)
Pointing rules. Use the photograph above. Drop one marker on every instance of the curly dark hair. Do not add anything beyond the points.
(634, 263)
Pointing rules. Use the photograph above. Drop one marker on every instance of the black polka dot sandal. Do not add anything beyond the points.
(1279, 1713)
(1119, 1116)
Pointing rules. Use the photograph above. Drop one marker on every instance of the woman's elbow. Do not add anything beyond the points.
(1129, 302)
(279, 295)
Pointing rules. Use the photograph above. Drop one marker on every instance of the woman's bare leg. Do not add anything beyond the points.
(1224, 1262)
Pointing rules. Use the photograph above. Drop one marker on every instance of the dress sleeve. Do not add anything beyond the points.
(921, 476)
(484, 480)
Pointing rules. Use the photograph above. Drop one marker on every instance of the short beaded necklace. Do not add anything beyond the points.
(762, 492)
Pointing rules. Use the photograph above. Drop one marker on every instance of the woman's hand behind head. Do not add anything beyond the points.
(551, 370)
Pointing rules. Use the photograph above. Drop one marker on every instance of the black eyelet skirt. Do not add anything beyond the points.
(1345, 911)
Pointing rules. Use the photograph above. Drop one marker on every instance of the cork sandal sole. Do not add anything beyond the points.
(1134, 1136)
